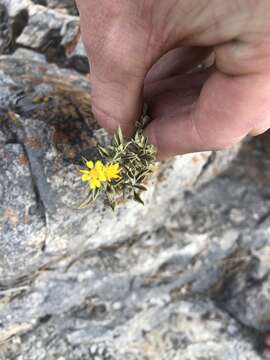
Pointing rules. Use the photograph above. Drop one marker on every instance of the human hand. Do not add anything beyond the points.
(144, 50)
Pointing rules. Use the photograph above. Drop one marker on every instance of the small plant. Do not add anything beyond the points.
(124, 169)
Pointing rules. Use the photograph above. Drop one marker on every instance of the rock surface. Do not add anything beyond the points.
(66, 6)
(184, 278)
(40, 26)
(5, 30)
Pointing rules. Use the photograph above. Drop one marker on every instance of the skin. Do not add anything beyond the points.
(144, 50)
(267, 345)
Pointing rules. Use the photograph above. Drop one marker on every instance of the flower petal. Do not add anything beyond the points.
(85, 177)
(84, 171)
(99, 165)
(100, 170)
(90, 164)
(95, 183)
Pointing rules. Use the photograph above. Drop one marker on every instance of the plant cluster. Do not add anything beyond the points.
(123, 171)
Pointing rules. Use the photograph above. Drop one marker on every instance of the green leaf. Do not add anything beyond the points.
(86, 202)
(111, 201)
(115, 141)
(118, 139)
(137, 198)
(84, 160)
(137, 137)
(120, 136)
(95, 194)
(112, 205)
(140, 187)
(128, 171)
(103, 152)
(141, 176)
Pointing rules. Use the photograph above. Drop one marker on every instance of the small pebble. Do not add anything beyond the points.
(93, 349)
(101, 350)
(232, 330)
(236, 216)
(117, 306)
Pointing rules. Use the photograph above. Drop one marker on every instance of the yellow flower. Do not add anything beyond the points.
(112, 172)
(90, 164)
(98, 173)
(95, 175)
(100, 170)
(94, 183)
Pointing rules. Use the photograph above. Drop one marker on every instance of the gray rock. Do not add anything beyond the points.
(41, 28)
(246, 294)
(51, 120)
(18, 17)
(77, 57)
(5, 30)
(185, 277)
(67, 6)
(29, 55)
(15, 7)
(20, 212)
(53, 33)
(240, 281)
(48, 31)
(63, 270)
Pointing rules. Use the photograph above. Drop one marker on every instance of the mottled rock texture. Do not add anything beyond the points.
(184, 278)
(66, 6)
(50, 27)
(5, 30)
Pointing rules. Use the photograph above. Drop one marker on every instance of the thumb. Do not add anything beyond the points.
(228, 108)
(119, 60)
(116, 90)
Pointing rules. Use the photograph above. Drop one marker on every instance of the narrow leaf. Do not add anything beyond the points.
(140, 187)
(120, 136)
(137, 198)
(103, 151)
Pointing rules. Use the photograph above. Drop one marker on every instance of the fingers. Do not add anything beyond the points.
(226, 111)
(266, 354)
(119, 60)
(178, 83)
(116, 96)
(177, 61)
(117, 85)
(259, 130)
